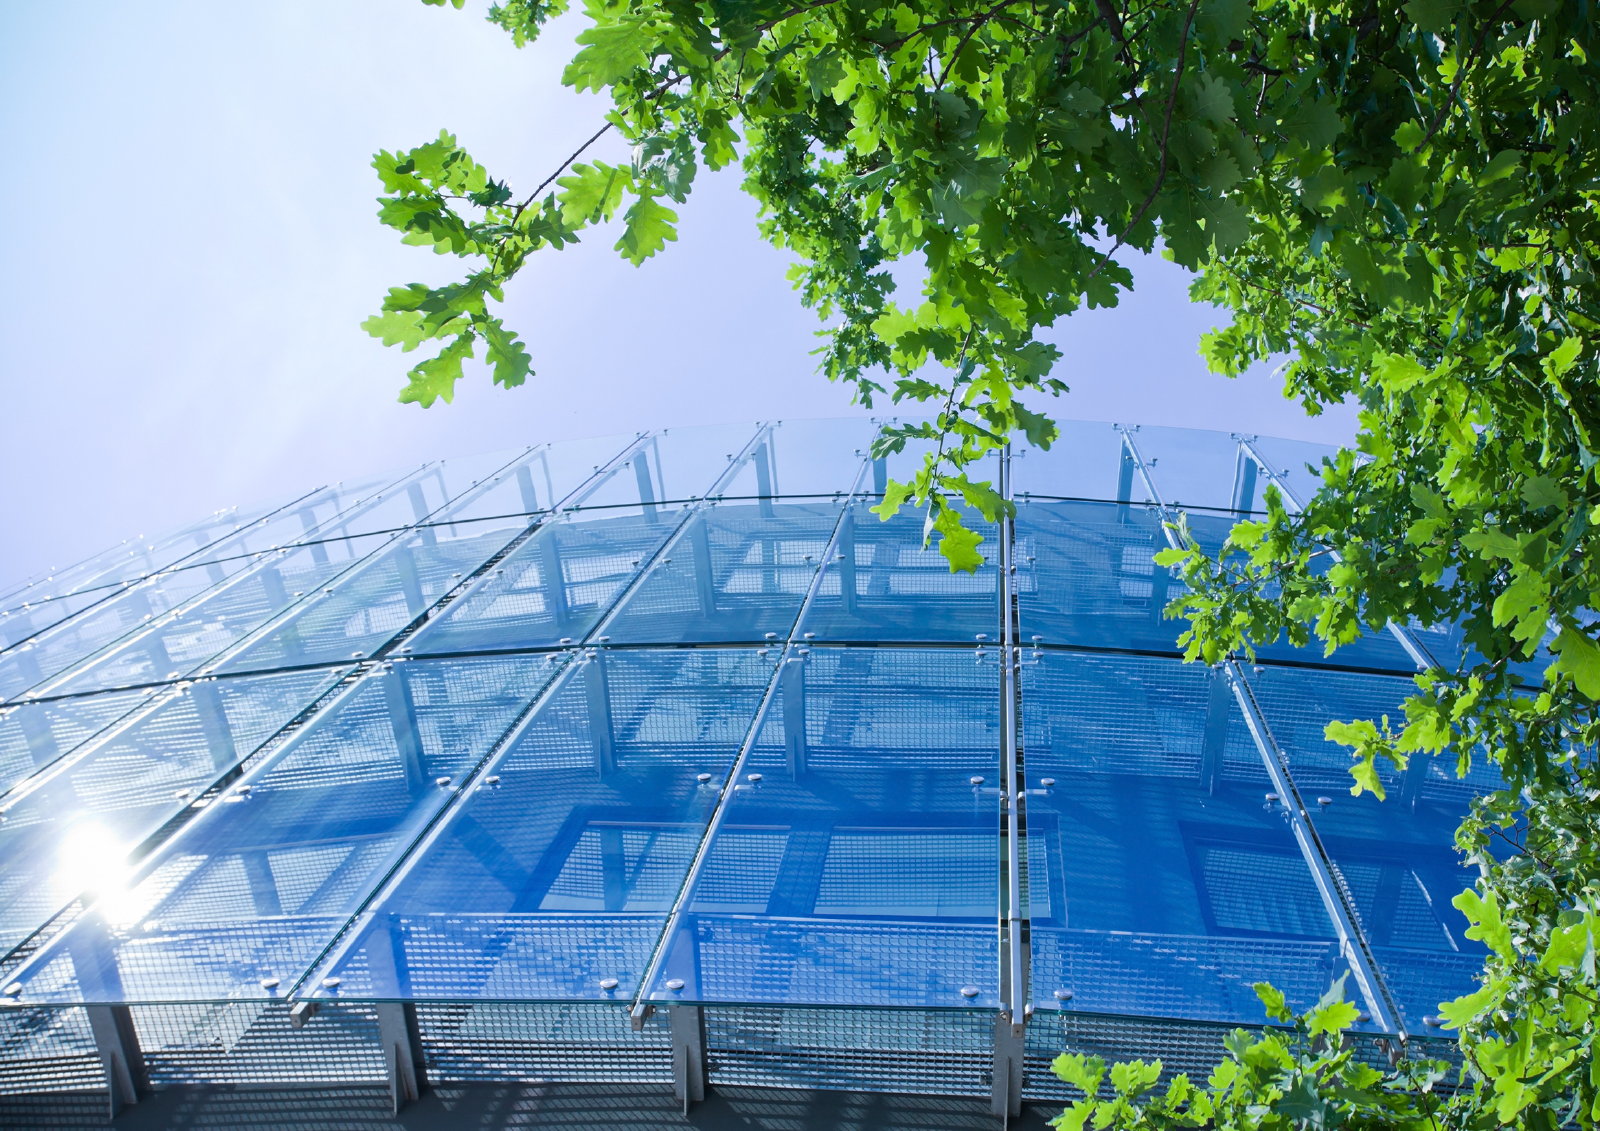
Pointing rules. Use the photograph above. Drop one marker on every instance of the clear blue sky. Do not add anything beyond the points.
(192, 245)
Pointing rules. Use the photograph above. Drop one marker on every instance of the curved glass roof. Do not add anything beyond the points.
(674, 718)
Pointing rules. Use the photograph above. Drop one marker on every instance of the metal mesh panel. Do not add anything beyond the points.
(1181, 976)
(47, 1050)
(32, 735)
(928, 1051)
(569, 1042)
(1180, 1046)
(1186, 1047)
(254, 1043)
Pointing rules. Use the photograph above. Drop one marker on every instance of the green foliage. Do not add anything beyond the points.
(1303, 1074)
(1401, 198)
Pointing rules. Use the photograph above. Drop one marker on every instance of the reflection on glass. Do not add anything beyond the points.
(857, 863)
(245, 899)
(552, 880)
(127, 783)
(882, 584)
(1163, 876)
(34, 735)
(1398, 856)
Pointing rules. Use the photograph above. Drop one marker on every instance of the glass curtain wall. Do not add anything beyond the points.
(678, 720)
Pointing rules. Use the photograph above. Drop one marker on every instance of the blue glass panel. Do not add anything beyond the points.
(1398, 856)
(734, 572)
(1297, 462)
(1086, 576)
(1087, 461)
(255, 888)
(1162, 882)
(857, 863)
(219, 593)
(555, 586)
(1192, 468)
(136, 557)
(368, 605)
(182, 641)
(802, 457)
(884, 586)
(34, 735)
(72, 828)
(538, 481)
(671, 467)
(556, 873)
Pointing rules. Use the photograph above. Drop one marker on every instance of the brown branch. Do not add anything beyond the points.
(1166, 131)
(956, 54)
(1461, 74)
(561, 168)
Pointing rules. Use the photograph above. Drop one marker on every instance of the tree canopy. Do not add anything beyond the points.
(1401, 198)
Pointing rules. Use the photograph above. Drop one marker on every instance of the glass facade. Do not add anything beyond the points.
(552, 757)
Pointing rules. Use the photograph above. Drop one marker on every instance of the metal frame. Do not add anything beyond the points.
(1011, 1024)
(111, 1025)
(1335, 895)
(688, 1028)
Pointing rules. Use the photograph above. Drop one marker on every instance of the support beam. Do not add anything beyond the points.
(1416, 777)
(530, 497)
(405, 564)
(555, 580)
(705, 583)
(401, 1036)
(647, 494)
(1244, 480)
(1215, 742)
(794, 715)
(208, 708)
(601, 733)
(847, 560)
(763, 464)
(277, 595)
(419, 506)
(1335, 897)
(1013, 915)
(117, 1043)
(1005, 1090)
(308, 523)
(41, 740)
(1124, 485)
(687, 1024)
(613, 869)
(403, 722)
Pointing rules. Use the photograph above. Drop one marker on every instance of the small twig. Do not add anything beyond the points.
(956, 54)
(561, 168)
(1166, 129)
(1461, 74)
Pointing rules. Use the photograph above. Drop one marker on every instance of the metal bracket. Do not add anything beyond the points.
(401, 1036)
(1005, 1092)
(117, 1042)
(688, 1027)
(301, 1012)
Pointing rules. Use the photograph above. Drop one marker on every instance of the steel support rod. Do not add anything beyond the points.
(1335, 896)
(1413, 647)
(1011, 1025)
(642, 1007)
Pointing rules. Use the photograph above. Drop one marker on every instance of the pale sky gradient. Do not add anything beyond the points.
(192, 246)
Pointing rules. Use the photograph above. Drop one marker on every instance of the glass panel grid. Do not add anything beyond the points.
(533, 805)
